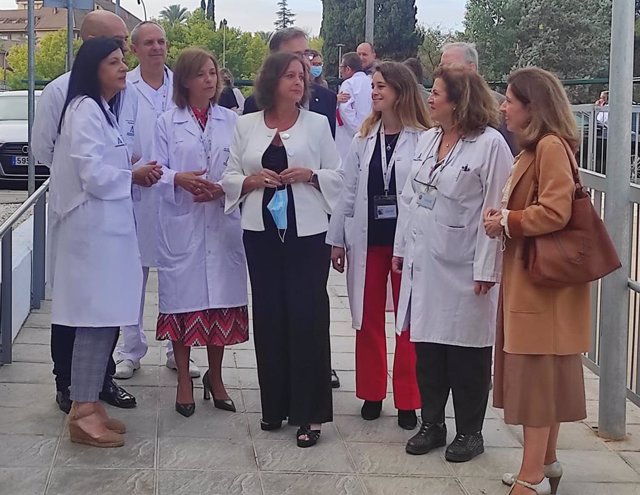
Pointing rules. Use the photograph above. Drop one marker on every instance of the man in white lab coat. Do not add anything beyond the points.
(153, 82)
(354, 101)
(45, 131)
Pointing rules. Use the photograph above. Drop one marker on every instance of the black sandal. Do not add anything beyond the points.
(312, 437)
(264, 426)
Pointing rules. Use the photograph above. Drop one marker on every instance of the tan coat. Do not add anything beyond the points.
(541, 320)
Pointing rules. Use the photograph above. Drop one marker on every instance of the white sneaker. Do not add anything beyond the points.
(194, 371)
(125, 368)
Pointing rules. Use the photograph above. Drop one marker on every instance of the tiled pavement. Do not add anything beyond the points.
(216, 452)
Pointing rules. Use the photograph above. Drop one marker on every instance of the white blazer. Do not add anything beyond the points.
(98, 275)
(349, 224)
(445, 248)
(145, 199)
(354, 112)
(202, 263)
(309, 144)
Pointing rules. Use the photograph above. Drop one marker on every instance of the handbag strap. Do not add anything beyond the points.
(572, 162)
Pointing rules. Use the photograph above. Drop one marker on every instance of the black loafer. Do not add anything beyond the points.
(63, 400)
(117, 396)
(430, 436)
(465, 447)
(335, 381)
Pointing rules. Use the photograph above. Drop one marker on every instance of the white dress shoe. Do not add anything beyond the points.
(125, 368)
(542, 488)
(552, 471)
(194, 371)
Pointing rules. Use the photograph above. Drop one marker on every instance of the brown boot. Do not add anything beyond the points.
(87, 426)
(111, 423)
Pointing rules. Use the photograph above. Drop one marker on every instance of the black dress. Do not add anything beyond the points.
(290, 314)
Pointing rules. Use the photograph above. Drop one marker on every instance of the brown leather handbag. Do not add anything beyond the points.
(579, 253)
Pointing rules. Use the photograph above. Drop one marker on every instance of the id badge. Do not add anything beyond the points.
(427, 199)
(385, 207)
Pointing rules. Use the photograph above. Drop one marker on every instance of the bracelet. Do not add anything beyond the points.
(310, 181)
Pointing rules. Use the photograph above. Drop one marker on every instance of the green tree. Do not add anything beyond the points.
(493, 26)
(568, 37)
(284, 16)
(174, 14)
(342, 23)
(50, 59)
(211, 11)
(395, 30)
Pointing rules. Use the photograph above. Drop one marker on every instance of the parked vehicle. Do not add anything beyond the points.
(14, 141)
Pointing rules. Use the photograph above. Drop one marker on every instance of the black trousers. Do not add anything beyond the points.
(466, 372)
(62, 340)
(291, 324)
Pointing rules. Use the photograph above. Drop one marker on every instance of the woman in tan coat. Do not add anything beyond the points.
(541, 331)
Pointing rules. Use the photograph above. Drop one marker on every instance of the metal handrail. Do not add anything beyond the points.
(38, 279)
(634, 285)
(23, 208)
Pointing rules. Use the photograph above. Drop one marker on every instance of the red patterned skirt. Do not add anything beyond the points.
(219, 327)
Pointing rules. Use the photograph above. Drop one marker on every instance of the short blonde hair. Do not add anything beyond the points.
(187, 66)
(548, 104)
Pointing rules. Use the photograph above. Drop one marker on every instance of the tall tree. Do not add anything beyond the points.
(174, 14)
(396, 36)
(284, 16)
(203, 5)
(342, 24)
(211, 11)
(493, 26)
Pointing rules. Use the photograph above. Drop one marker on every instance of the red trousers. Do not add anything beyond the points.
(371, 342)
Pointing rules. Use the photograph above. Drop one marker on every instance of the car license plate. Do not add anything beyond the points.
(19, 161)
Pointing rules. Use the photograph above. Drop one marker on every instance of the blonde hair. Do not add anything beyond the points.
(475, 107)
(187, 67)
(409, 106)
(548, 104)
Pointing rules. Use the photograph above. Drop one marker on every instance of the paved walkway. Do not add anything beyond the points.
(220, 453)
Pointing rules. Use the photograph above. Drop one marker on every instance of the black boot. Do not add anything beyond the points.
(63, 400)
(430, 436)
(371, 410)
(465, 447)
(407, 420)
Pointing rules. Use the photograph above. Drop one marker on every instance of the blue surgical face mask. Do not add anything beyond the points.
(278, 209)
(316, 70)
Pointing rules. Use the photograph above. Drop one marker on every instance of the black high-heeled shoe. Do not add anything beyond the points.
(224, 404)
(186, 409)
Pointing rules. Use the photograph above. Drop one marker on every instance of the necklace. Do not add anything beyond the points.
(392, 142)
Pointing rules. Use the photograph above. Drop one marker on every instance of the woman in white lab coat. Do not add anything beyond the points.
(285, 170)
(449, 266)
(363, 228)
(97, 269)
(202, 268)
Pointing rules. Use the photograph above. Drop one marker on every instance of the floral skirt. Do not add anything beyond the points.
(219, 327)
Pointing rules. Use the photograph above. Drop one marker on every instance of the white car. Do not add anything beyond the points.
(14, 142)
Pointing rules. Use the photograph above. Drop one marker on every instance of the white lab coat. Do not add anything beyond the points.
(445, 249)
(145, 199)
(45, 132)
(349, 224)
(354, 112)
(202, 264)
(98, 274)
(308, 144)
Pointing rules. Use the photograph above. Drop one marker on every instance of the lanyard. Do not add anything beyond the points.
(205, 137)
(387, 168)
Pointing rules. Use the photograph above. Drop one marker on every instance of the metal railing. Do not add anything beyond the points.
(38, 202)
(592, 156)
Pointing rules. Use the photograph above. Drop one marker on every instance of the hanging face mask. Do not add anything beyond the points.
(278, 209)
(316, 70)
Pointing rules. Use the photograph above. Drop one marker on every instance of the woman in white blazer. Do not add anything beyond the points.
(97, 268)
(202, 280)
(449, 266)
(362, 230)
(285, 170)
